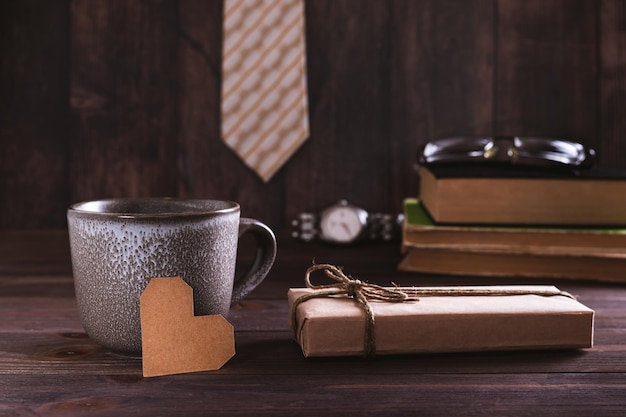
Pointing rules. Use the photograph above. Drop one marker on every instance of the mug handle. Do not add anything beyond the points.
(263, 260)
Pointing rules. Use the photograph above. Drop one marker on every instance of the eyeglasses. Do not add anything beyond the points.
(524, 151)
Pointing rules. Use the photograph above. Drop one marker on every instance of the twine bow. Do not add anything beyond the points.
(356, 289)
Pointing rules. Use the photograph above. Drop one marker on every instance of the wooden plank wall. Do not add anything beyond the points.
(105, 98)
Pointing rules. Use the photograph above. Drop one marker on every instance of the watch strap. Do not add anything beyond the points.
(380, 226)
(383, 226)
(305, 227)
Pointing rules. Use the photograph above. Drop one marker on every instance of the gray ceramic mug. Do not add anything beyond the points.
(118, 245)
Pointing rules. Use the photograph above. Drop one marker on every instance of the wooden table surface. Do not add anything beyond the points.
(49, 367)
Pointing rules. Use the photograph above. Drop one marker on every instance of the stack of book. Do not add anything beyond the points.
(530, 225)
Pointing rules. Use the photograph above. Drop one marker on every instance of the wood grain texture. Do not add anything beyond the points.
(121, 98)
(546, 71)
(612, 97)
(34, 121)
(379, 395)
(48, 366)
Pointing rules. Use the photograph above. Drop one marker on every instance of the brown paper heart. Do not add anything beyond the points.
(175, 341)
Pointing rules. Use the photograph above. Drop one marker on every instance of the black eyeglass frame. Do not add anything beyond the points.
(512, 150)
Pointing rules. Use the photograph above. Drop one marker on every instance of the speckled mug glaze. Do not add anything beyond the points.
(118, 245)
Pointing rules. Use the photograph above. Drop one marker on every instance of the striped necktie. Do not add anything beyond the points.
(264, 94)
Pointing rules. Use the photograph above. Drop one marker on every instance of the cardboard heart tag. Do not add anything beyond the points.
(175, 341)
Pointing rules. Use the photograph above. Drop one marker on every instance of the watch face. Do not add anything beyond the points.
(342, 224)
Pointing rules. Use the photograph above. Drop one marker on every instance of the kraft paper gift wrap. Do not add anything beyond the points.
(335, 325)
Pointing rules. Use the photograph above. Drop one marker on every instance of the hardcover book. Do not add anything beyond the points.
(505, 195)
(607, 268)
(420, 230)
(546, 252)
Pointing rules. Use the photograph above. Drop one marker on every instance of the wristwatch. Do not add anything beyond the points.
(344, 223)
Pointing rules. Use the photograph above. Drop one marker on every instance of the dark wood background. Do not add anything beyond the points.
(113, 98)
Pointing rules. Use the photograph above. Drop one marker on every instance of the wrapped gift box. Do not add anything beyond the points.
(335, 326)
